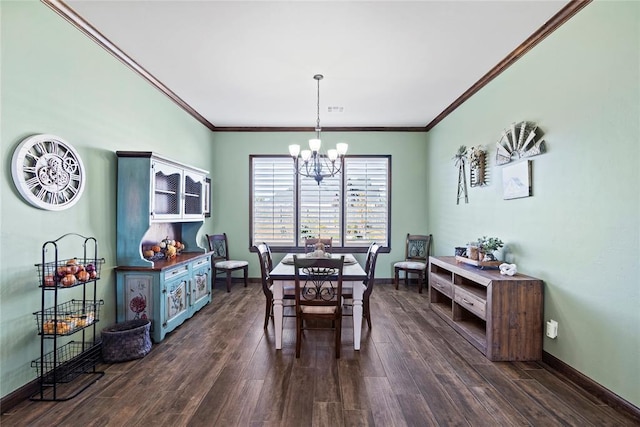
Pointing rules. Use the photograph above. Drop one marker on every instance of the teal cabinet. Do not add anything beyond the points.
(167, 294)
(159, 198)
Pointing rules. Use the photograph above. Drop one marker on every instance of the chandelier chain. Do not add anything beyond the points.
(312, 163)
(318, 77)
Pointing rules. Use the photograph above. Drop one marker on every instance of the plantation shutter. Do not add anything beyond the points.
(273, 201)
(367, 200)
(320, 207)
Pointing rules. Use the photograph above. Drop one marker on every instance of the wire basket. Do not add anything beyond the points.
(68, 362)
(68, 317)
(126, 341)
(69, 272)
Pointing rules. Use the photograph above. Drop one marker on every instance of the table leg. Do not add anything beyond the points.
(278, 294)
(358, 290)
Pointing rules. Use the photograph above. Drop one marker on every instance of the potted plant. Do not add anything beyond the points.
(487, 245)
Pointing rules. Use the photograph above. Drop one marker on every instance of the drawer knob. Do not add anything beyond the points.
(464, 300)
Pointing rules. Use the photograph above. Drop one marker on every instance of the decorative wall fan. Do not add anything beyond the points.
(518, 142)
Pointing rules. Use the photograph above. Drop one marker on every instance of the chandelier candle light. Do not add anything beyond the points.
(314, 164)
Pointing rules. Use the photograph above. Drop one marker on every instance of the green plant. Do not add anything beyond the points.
(489, 244)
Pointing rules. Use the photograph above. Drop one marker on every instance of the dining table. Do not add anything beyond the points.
(353, 276)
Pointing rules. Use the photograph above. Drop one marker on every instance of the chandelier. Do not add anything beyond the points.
(311, 163)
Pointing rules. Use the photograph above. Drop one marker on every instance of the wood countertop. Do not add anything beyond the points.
(164, 264)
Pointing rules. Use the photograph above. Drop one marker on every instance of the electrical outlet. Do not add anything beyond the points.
(552, 329)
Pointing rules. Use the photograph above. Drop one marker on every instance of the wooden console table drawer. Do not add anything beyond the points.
(441, 285)
(474, 303)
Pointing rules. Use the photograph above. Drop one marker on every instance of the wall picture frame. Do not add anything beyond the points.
(516, 180)
(207, 197)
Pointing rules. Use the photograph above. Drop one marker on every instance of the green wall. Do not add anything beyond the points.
(55, 80)
(230, 183)
(580, 232)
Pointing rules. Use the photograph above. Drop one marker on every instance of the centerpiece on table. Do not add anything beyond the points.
(481, 252)
(319, 251)
(487, 246)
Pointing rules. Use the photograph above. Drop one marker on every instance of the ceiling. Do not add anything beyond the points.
(251, 64)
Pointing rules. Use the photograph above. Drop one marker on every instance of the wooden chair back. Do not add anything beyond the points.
(417, 248)
(370, 268)
(219, 247)
(266, 265)
(318, 282)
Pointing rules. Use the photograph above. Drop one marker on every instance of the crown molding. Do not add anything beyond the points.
(70, 15)
(547, 28)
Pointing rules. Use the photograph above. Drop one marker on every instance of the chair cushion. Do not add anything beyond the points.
(318, 309)
(230, 265)
(410, 265)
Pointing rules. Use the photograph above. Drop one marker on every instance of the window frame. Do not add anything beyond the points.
(298, 245)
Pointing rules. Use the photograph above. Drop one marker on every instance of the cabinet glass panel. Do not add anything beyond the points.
(176, 299)
(192, 196)
(166, 192)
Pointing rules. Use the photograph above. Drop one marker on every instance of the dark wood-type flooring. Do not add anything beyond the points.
(220, 368)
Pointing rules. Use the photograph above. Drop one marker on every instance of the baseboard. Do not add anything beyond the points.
(604, 394)
(12, 400)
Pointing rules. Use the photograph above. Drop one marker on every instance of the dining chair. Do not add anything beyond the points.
(266, 265)
(318, 294)
(219, 247)
(311, 242)
(370, 270)
(416, 260)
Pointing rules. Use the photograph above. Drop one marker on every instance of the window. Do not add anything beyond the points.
(352, 207)
(272, 193)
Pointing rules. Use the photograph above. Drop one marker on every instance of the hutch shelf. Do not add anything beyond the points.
(502, 316)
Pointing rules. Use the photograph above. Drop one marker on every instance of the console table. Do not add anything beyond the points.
(502, 316)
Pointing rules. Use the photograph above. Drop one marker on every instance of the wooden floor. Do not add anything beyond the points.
(221, 369)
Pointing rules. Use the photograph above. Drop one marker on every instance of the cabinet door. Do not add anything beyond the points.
(137, 299)
(175, 303)
(166, 197)
(193, 206)
(200, 285)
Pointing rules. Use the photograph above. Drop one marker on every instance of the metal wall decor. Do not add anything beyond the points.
(519, 141)
(477, 165)
(460, 161)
